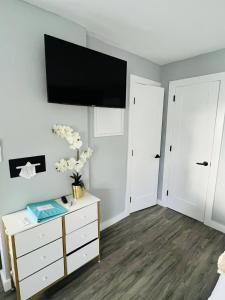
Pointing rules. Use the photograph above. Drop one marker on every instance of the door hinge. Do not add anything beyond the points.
(132, 152)
(171, 148)
(134, 100)
(130, 199)
(167, 193)
(174, 98)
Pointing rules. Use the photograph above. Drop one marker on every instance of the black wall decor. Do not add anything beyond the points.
(14, 163)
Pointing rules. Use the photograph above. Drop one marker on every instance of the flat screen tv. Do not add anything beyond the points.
(80, 76)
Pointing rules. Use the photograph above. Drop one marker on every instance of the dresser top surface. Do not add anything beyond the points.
(20, 221)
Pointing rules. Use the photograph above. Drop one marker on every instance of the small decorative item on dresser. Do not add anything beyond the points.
(73, 163)
(78, 186)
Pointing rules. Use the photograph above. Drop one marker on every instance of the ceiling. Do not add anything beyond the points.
(162, 31)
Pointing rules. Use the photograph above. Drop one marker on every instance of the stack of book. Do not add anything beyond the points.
(44, 210)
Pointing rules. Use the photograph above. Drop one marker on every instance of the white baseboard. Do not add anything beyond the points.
(215, 225)
(123, 215)
(114, 220)
(162, 203)
(6, 282)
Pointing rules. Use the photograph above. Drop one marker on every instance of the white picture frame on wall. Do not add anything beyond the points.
(108, 121)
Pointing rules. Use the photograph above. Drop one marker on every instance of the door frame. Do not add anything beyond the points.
(134, 79)
(215, 155)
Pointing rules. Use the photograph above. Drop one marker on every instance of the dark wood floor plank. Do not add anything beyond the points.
(154, 254)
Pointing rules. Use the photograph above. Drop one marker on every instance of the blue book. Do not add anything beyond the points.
(44, 210)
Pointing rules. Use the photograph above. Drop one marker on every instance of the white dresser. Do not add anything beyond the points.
(41, 254)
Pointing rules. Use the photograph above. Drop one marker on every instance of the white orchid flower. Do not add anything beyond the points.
(75, 143)
(61, 166)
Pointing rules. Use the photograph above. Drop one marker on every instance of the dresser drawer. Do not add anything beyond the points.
(38, 236)
(38, 259)
(82, 256)
(41, 279)
(81, 236)
(81, 218)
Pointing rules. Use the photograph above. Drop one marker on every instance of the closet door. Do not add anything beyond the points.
(218, 207)
(192, 115)
(146, 121)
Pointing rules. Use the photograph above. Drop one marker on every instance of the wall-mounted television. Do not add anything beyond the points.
(77, 75)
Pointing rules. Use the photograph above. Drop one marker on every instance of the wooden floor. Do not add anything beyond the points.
(155, 254)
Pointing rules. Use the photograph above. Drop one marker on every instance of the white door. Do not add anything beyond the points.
(146, 121)
(192, 123)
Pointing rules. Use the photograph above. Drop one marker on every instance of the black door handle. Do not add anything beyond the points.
(204, 163)
(157, 156)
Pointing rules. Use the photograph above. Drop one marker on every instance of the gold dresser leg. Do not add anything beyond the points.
(99, 234)
(14, 267)
(64, 244)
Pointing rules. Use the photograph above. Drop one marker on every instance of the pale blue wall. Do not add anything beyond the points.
(26, 117)
(108, 169)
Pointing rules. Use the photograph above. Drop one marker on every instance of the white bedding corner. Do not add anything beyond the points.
(219, 290)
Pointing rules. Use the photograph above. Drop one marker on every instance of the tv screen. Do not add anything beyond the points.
(79, 76)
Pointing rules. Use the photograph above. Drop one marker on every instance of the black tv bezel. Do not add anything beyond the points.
(90, 50)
